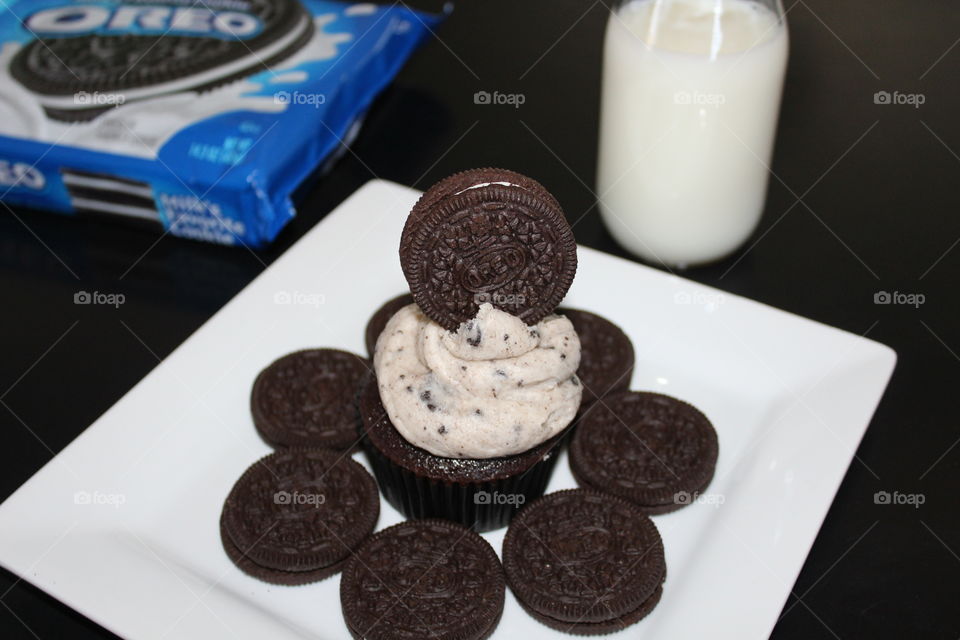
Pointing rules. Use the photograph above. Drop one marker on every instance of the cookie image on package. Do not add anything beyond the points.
(487, 235)
(102, 195)
(88, 58)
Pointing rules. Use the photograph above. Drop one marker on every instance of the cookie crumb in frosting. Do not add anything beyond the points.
(496, 397)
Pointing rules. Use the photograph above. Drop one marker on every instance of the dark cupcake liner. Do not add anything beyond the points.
(482, 494)
(481, 506)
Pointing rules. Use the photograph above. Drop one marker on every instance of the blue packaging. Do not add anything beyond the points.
(198, 117)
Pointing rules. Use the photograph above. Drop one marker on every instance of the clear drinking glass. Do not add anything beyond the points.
(690, 99)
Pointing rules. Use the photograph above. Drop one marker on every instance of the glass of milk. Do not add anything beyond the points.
(691, 94)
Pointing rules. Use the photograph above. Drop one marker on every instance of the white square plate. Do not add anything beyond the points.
(122, 524)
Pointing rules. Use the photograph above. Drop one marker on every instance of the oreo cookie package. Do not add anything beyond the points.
(199, 117)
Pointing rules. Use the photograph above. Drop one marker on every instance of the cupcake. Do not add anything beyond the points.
(475, 383)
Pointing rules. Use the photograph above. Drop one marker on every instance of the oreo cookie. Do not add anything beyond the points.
(487, 235)
(295, 516)
(464, 180)
(652, 449)
(606, 355)
(423, 579)
(307, 399)
(584, 562)
(378, 321)
(88, 58)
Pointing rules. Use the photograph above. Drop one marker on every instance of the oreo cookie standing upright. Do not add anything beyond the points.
(120, 53)
(487, 235)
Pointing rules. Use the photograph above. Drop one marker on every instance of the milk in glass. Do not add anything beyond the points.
(691, 94)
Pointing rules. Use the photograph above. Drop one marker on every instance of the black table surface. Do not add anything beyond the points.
(864, 199)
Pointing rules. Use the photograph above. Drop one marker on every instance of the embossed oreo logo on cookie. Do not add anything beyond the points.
(578, 544)
(487, 235)
(491, 268)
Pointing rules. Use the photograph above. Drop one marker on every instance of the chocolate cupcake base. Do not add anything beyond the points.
(482, 494)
